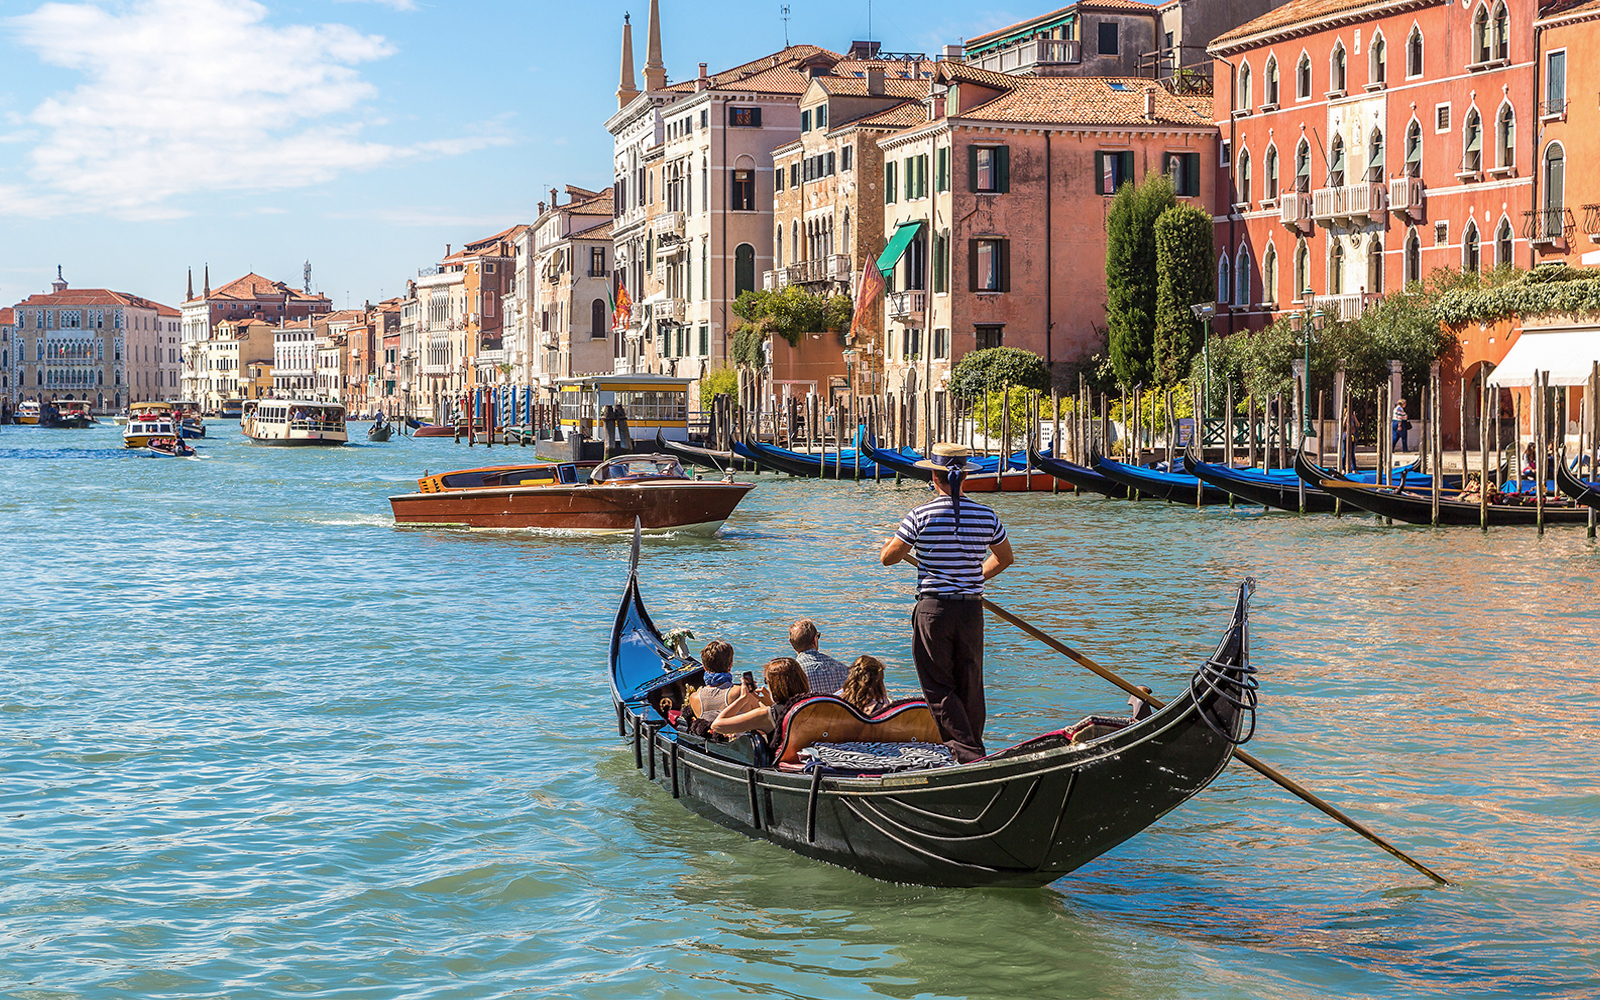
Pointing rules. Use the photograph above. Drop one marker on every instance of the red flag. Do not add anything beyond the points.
(867, 291)
(621, 309)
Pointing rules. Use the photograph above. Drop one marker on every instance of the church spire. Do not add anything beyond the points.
(655, 71)
(189, 296)
(626, 89)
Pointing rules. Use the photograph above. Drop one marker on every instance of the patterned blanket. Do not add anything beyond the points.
(876, 756)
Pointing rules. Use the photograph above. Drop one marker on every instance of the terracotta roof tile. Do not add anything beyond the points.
(7, 317)
(856, 86)
(1309, 14)
(783, 72)
(1568, 8)
(1066, 100)
(907, 114)
(90, 297)
(962, 72)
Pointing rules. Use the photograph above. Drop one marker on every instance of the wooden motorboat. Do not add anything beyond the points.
(380, 431)
(169, 447)
(191, 423)
(1023, 817)
(603, 497)
(298, 422)
(1417, 507)
(28, 412)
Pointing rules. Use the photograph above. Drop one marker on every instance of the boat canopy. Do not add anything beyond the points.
(1567, 353)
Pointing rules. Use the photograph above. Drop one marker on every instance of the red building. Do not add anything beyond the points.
(1366, 144)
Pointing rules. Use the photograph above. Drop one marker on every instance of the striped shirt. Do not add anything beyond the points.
(951, 562)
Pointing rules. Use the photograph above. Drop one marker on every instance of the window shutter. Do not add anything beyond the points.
(755, 117)
(1002, 168)
(1191, 174)
(922, 176)
(972, 171)
(1005, 264)
(805, 121)
(1125, 167)
(911, 177)
(1100, 174)
(888, 183)
(972, 265)
(831, 170)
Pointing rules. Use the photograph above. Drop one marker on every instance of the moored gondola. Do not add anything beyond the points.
(1080, 477)
(1023, 817)
(704, 458)
(1415, 507)
(1157, 483)
(1584, 493)
(1013, 480)
(1256, 487)
(839, 464)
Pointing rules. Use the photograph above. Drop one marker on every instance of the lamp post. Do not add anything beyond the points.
(1206, 311)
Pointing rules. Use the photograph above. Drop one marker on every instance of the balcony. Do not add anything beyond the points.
(1043, 56)
(668, 224)
(1348, 306)
(1349, 203)
(1547, 227)
(819, 270)
(1406, 196)
(772, 281)
(1591, 222)
(598, 272)
(1295, 211)
(670, 311)
(907, 307)
(1553, 110)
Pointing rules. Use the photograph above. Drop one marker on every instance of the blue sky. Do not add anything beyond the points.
(139, 138)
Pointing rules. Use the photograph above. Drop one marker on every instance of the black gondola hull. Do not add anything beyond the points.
(1162, 486)
(705, 458)
(1567, 482)
(1081, 477)
(813, 466)
(1020, 818)
(1252, 489)
(1417, 508)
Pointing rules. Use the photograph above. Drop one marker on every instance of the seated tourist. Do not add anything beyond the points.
(762, 709)
(717, 659)
(823, 672)
(1471, 489)
(864, 687)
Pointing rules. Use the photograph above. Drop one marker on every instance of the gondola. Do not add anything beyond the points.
(840, 464)
(1080, 477)
(1417, 507)
(1013, 480)
(380, 431)
(1255, 487)
(1157, 483)
(413, 423)
(704, 458)
(1021, 817)
(1568, 482)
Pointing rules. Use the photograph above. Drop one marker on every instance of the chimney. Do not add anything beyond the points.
(702, 82)
(955, 53)
(541, 208)
(447, 249)
(554, 197)
(1150, 103)
(875, 81)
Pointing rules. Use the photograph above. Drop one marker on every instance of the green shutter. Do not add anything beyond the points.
(972, 168)
(1100, 174)
(888, 183)
(911, 177)
(1191, 174)
(922, 175)
(1002, 168)
(941, 262)
(941, 169)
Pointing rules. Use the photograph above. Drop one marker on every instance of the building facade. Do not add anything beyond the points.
(249, 297)
(567, 288)
(109, 347)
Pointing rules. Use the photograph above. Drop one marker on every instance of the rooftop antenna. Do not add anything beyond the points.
(307, 273)
(785, 15)
(869, 20)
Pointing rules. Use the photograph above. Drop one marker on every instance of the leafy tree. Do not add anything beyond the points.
(1131, 276)
(718, 382)
(1185, 263)
(748, 339)
(792, 312)
(996, 367)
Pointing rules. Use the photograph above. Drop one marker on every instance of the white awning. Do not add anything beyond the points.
(1567, 353)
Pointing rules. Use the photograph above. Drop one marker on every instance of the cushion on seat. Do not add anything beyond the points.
(827, 719)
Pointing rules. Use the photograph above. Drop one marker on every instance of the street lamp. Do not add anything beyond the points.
(1205, 311)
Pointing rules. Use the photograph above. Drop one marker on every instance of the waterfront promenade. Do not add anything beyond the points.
(258, 742)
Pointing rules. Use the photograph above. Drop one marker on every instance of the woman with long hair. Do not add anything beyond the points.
(864, 687)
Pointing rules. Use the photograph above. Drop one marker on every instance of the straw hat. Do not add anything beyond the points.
(946, 457)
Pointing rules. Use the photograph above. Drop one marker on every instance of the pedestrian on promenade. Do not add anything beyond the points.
(1352, 431)
(959, 544)
(1398, 426)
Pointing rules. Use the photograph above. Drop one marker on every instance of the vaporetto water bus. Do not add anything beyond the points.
(293, 422)
(146, 421)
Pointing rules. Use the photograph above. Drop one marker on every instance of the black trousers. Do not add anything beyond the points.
(947, 646)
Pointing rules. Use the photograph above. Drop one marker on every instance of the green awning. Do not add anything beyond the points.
(903, 235)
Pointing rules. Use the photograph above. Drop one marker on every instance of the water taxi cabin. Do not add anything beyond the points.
(651, 403)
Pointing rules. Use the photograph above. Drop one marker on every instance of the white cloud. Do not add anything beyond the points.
(182, 97)
(395, 4)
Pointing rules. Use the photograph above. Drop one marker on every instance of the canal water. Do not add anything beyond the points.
(255, 741)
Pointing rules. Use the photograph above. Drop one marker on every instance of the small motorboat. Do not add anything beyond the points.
(169, 447)
(380, 431)
(603, 498)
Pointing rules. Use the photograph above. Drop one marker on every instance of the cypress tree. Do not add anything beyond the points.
(1185, 261)
(1131, 276)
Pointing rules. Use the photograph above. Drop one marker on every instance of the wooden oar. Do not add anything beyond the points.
(1260, 766)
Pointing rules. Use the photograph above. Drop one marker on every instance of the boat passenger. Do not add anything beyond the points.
(1471, 490)
(864, 687)
(823, 672)
(717, 660)
(762, 709)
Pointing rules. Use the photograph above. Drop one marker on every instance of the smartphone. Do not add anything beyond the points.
(749, 680)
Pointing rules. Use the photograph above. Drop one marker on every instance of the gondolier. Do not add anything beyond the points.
(959, 544)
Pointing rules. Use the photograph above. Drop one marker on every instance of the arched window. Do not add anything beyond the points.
(1414, 149)
(744, 269)
(1302, 271)
(1269, 274)
(1505, 137)
(1224, 285)
(1336, 79)
(1375, 263)
(794, 242)
(1241, 277)
(1414, 53)
(1502, 243)
(778, 248)
(1336, 266)
(1302, 167)
(597, 319)
(1502, 31)
(1375, 157)
(1472, 143)
(1471, 257)
(1480, 36)
(1377, 59)
(846, 230)
(1271, 80)
(1336, 162)
(1245, 102)
(1269, 180)
(1241, 173)
(1552, 218)
(1302, 77)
